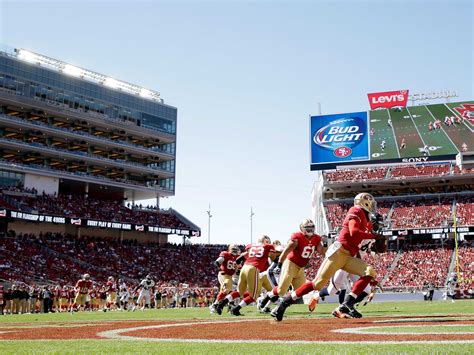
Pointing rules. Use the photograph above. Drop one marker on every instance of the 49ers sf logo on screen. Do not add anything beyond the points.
(388, 99)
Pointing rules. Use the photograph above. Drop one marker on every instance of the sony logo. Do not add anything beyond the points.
(415, 160)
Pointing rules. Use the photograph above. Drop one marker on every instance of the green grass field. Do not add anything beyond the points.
(464, 308)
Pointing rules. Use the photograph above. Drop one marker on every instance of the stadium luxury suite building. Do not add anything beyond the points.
(66, 130)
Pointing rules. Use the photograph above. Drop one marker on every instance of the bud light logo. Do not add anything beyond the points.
(339, 138)
(340, 133)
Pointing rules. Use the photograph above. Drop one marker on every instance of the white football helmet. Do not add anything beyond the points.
(366, 201)
(86, 276)
(307, 227)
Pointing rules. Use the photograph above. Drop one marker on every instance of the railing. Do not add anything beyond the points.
(86, 135)
(87, 155)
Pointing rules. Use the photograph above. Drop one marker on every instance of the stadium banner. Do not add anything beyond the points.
(339, 138)
(388, 99)
(81, 222)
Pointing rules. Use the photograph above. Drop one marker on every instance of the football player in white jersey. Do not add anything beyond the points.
(146, 290)
(124, 295)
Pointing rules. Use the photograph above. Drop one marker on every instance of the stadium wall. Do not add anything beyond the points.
(36, 228)
(46, 184)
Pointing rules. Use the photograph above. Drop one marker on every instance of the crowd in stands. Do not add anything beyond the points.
(359, 174)
(381, 263)
(420, 264)
(79, 206)
(394, 172)
(431, 170)
(466, 262)
(421, 213)
(412, 213)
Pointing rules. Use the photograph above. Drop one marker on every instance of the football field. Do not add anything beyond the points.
(411, 125)
(404, 327)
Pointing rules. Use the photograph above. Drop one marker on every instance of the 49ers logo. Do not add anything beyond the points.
(343, 152)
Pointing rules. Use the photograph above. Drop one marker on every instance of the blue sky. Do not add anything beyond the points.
(245, 75)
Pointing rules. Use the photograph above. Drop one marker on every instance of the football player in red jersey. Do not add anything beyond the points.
(256, 262)
(342, 255)
(294, 259)
(226, 262)
(111, 288)
(82, 289)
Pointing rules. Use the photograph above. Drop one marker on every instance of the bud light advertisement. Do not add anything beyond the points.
(339, 138)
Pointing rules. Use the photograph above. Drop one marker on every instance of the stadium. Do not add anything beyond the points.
(83, 259)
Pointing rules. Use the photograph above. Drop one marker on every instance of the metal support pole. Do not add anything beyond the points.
(251, 225)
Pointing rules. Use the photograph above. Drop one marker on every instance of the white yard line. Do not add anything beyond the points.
(419, 134)
(462, 119)
(394, 135)
(447, 135)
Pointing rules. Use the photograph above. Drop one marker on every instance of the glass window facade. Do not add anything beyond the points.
(33, 81)
(10, 178)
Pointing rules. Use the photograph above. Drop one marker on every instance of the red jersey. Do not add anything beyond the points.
(305, 249)
(228, 266)
(111, 286)
(83, 286)
(258, 255)
(351, 243)
(64, 294)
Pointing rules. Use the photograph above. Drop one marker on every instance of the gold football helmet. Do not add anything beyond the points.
(234, 249)
(264, 239)
(366, 201)
(307, 227)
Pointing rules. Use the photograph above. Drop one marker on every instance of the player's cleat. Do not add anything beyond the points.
(265, 310)
(312, 304)
(212, 309)
(342, 312)
(279, 311)
(235, 311)
(354, 313)
(220, 306)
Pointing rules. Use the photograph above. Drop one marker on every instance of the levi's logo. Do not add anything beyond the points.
(388, 99)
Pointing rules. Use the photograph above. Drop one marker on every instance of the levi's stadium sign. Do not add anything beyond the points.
(388, 99)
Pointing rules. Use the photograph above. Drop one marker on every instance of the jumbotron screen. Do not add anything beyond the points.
(406, 135)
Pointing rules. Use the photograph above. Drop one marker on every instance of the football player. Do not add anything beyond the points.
(111, 288)
(256, 262)
(342, 255)
(337, 286)
(270, 277)
(124, 295)
(144, 297)
(82, 289)
(226, 262)
(293, 261)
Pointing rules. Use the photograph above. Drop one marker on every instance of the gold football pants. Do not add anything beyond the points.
(341, 259)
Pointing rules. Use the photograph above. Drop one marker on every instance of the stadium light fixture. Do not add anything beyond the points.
(209, 225)
(72, 70)
(145, 93)
(65, 68)
(111, 82)
(27, 56)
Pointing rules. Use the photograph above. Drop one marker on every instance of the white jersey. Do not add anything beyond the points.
(147, 284)
(124, 294)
